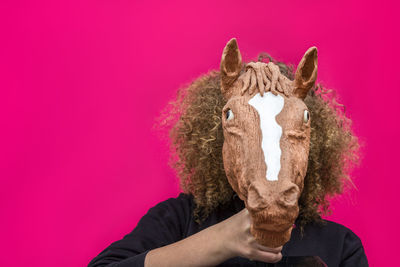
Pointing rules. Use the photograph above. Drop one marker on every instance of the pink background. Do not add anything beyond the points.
(82, 82)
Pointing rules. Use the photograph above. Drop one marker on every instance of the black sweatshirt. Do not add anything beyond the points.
(172, 220)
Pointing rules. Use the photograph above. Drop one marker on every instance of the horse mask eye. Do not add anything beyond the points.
(306, 116)
(229, 115)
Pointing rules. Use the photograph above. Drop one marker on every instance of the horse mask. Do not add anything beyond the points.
(266, 129)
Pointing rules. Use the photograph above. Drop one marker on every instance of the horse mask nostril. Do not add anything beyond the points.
(289, 196)
(253, 199)
(256, 200)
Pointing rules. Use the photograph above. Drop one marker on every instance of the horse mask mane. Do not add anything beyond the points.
(266, 128)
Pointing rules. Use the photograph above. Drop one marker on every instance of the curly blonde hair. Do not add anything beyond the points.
(195, 130)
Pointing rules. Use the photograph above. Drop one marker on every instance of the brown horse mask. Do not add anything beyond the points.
(266, 139)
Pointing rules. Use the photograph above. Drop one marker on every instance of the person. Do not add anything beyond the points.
(208, 224)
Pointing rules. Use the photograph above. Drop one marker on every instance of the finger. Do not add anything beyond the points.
(243, 213)
(268, 249)
(248, 216)
(265, 256)
(244, 219)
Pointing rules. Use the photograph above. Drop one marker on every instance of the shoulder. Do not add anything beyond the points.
(327, 224)
(167, 219)
(174, 210)
(183, 202)
(335, 232)
(352, 249)
(340, 231)
(181, 199)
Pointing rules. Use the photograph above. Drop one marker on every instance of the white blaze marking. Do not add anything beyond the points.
(268, 107)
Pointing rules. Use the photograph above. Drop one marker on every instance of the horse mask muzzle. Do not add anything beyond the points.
(266, 129)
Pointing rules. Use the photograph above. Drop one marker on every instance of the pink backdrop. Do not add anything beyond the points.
(81, 84)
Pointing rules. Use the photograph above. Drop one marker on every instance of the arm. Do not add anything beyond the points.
(200, 249)
(157, 241)
(214, 245)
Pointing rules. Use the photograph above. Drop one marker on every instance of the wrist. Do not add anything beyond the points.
(224, 241)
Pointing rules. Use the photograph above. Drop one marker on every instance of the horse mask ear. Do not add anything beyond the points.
(306, 73)
(231, 65)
